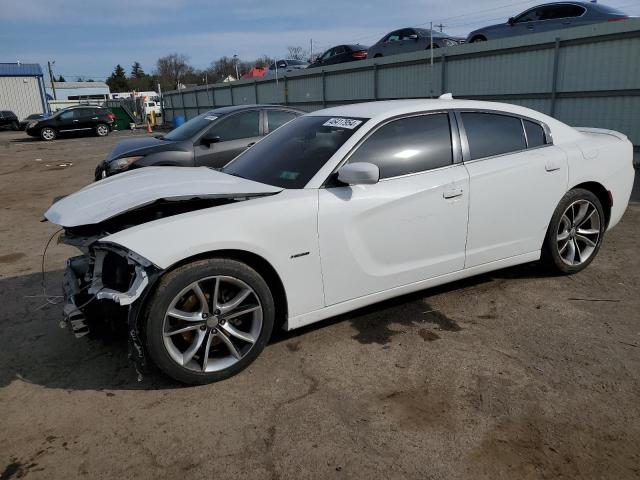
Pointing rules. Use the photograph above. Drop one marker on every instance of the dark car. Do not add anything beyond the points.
(8, 119)
(550, 16)
(31, 118)
(410, 40)
(85, 119)
(341, 54)
(211, 139)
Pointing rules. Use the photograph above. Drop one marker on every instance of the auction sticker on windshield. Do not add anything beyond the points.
(349, 123)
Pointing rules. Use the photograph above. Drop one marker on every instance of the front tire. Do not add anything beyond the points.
(47, 134)
(575, 232)
(102, 130)
(208, 320)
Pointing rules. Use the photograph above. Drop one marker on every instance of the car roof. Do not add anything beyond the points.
(239, 108)
(379, 111)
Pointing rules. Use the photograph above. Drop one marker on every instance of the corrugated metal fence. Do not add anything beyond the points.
(586, 76)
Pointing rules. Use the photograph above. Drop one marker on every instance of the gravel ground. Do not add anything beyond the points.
(515, 374)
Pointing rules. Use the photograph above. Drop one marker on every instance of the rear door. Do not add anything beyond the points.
(525, 23)
(237, 132)
(516, 179)
(408, 227)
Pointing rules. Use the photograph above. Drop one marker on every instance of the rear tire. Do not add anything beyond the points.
(575, 232)
(47, 134)
(478, 39)
(220, 339)
(102, 130)
(377, 55)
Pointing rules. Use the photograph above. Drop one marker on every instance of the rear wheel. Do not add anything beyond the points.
(47, 134)
(575, 232)
(477, 39)
(102, 130)
(209, 320)
(377, 55)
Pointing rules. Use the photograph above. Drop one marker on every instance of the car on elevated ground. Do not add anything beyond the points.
(335, 210)
(548, 17)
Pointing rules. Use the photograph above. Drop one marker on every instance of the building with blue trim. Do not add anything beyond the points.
(22, 89)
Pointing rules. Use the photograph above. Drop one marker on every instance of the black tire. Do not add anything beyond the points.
(551, 256)
(14, 126)
(101, 130)
(478, 39)
(47, 134)
(171, 285)
(377, 55)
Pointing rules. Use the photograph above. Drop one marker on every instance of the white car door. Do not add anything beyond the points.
(408, 227)
(516, 179)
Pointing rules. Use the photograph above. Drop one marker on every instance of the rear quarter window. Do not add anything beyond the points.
(535, 134)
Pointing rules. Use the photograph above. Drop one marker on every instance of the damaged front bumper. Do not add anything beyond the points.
(104, 290)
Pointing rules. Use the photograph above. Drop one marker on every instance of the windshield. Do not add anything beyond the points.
(290, 156)
(190, 128)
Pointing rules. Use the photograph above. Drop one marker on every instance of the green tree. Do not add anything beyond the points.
(61, 79)
(117, 81)
(137, 71)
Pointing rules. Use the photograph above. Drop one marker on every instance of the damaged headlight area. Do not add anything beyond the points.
(104, 289)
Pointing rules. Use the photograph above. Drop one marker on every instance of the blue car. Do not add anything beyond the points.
(550, 16)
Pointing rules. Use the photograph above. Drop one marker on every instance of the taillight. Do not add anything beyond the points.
(111, 116)
(360, 54)
(617, 19)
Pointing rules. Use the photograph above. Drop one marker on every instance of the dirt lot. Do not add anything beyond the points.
(510, 375)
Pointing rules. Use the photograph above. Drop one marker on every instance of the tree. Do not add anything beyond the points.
(117, 81)
(137, 71)
(264, 61)
(297, 53)
(173, 69)
(61, 79)
(222, 68)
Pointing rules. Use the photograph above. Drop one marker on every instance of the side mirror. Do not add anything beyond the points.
(511, 21)
(359, 173)
(208, 140)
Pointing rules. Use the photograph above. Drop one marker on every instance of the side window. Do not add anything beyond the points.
(240, 125)
(277, 118)
(66, 115)
(491, 134)
(408, 145)
(393, 36)
(529, 16)
(338, 50)
(535, 134)
(563, 11)
(326, 55)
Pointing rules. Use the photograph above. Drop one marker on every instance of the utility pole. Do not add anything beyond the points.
(235, 61)
(440, 26)
(53, 87)
(311, 50)
(431, 41)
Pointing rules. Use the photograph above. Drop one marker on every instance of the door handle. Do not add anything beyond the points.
(94, 118)
(452, 193)
(529, 27)
(75, 121)
(551, 167)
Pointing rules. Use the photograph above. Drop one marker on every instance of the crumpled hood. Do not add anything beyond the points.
(139, 146)
(118, 194)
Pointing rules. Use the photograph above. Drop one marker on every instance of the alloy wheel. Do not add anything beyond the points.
(102, 130)
(48, 134)
(578, 232)
(212, 324)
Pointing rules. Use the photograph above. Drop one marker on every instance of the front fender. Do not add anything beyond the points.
(280, 228)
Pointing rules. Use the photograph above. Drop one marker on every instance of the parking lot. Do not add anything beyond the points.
(513, 374)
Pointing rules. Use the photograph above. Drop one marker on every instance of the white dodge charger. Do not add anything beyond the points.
(335, 210)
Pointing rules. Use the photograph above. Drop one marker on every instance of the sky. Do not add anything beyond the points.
(87, 38)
